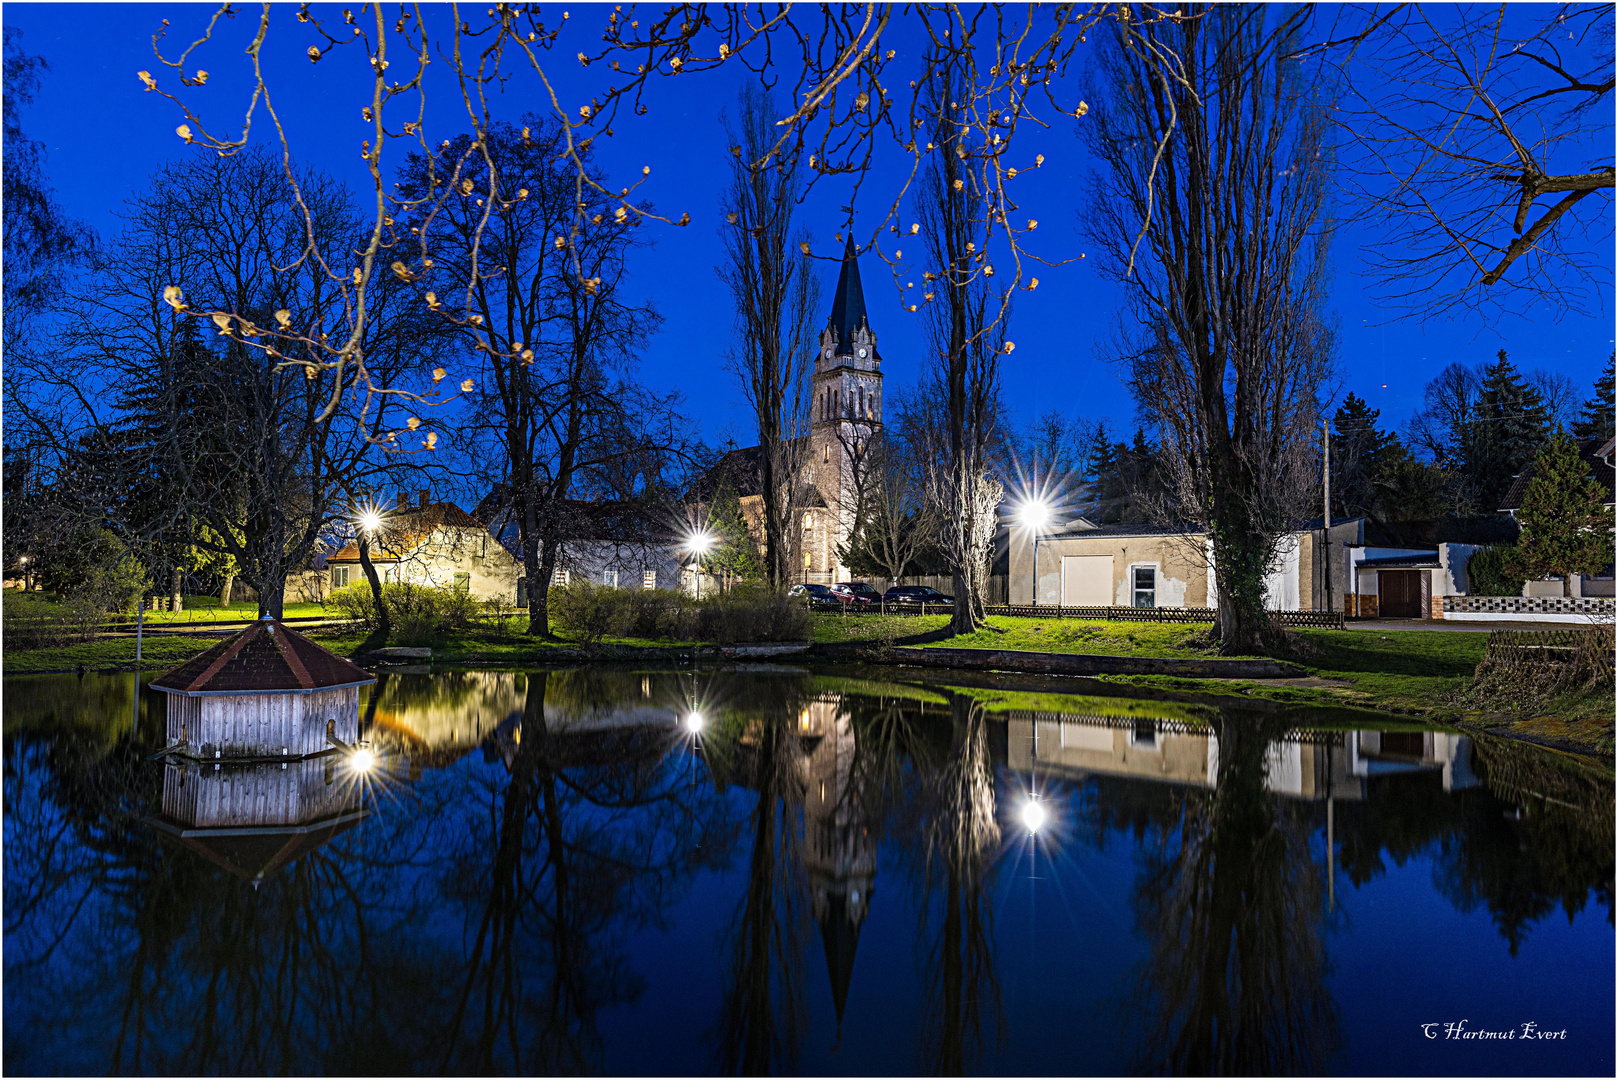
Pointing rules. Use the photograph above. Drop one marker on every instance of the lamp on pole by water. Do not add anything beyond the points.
(698, 544)
(1034, 515)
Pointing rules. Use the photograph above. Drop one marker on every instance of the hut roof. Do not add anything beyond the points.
(254, 854)
(268, 657)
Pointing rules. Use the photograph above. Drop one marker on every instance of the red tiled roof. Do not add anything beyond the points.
(265, 658)
(404, 529)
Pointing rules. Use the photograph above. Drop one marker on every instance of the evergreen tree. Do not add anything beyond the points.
(1596, 419)
(1358, 450)
(1103, 478)
(1509, 424)
(734, 553)
(1565, 528)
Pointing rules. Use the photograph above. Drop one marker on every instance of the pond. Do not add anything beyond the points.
(773, 870)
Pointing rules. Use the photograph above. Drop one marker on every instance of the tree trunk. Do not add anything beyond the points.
(224, 593)
(383, 624)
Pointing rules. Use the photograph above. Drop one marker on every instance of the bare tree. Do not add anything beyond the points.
(1214, 140)
(228, 449)
(966, 329)
(1479, 140)
(556, 333)
(897, 519)
(777, 295)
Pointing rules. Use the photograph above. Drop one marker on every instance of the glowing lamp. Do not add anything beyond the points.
(1033, 815)
(694, 722)
(362, 761)
(1035, 514)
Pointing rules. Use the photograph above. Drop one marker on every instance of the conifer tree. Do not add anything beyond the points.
(1357, 452)
(1509, 425)
(1565, 528)
(1596, 418)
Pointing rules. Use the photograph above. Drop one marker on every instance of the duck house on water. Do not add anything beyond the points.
(265, 693)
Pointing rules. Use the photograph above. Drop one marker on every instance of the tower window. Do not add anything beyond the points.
(825, 452)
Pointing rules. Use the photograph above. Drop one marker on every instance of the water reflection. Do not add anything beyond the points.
(483, 904)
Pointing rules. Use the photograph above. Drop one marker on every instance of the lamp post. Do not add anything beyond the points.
(698, 544)
(369, 521)
(1034, 514)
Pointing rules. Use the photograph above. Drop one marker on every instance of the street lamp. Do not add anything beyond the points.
(698, 544)
(369, 519)
(1034, 515)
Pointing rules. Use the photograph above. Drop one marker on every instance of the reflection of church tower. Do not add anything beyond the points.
(846, 413)
(839, 851)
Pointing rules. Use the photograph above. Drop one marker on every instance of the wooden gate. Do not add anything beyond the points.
(1399, 594)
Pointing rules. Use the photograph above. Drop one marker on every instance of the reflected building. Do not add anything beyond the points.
(253, 820)
(1303, 764)
(839, 851)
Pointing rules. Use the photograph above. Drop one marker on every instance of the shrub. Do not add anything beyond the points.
(1493, 571)
(588, 613)
(419, 613)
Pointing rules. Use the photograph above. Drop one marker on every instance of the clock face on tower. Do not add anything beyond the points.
(862, 354)
(829, 354)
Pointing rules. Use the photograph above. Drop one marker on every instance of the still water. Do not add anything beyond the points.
(775, 871)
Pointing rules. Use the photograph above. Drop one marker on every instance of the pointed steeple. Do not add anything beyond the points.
(848, 309)
(840, 934)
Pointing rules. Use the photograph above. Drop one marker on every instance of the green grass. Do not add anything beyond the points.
(1400, 669)
(157, 654)
(1094, 637)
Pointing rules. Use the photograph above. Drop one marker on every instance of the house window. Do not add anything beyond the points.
(648, 580)
(1145, 586)
(391, 575)
(522, 592)
(609, 578)
(339, 577)
(559, 576)
(463, 583)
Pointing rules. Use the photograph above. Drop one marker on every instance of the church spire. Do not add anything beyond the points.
(848, 309)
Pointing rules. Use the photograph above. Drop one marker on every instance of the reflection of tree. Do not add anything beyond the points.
(1537, 836)
(1233, 908)
(591, 830)
(960, 836)
(762, 1016)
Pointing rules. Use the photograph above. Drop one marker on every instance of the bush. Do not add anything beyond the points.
(419, 613)
(589, 613)
(1493, 570)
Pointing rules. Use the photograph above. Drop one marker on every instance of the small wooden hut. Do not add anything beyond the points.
(255, 819)
(267, 692)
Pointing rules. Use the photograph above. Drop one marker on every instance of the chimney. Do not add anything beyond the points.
(404, 501)
(423, 497)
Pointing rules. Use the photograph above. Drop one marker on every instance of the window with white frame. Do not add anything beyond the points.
(609, 578)
(559, 576)
(391, 575)
(339, 577)
(648, 580)
(1145, 586)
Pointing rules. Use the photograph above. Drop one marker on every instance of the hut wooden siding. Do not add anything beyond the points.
(265, 725)
(297, 794)
(267, 692)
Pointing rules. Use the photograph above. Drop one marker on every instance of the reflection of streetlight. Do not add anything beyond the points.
(1033, 814)
(1034, 515)
(695, 722)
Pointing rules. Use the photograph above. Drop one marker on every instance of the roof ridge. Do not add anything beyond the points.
(290, 655)
(224, 657)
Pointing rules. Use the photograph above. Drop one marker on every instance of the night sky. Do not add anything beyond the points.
(105, 137)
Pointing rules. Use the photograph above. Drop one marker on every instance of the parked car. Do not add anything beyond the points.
(916, 595)
(856, 592)
(813, 595)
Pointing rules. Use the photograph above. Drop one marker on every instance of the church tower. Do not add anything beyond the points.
(846, 416)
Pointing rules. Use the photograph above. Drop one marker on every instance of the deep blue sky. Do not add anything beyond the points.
(105, 136)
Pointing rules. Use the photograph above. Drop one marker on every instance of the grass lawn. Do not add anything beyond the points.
(1031, 635)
